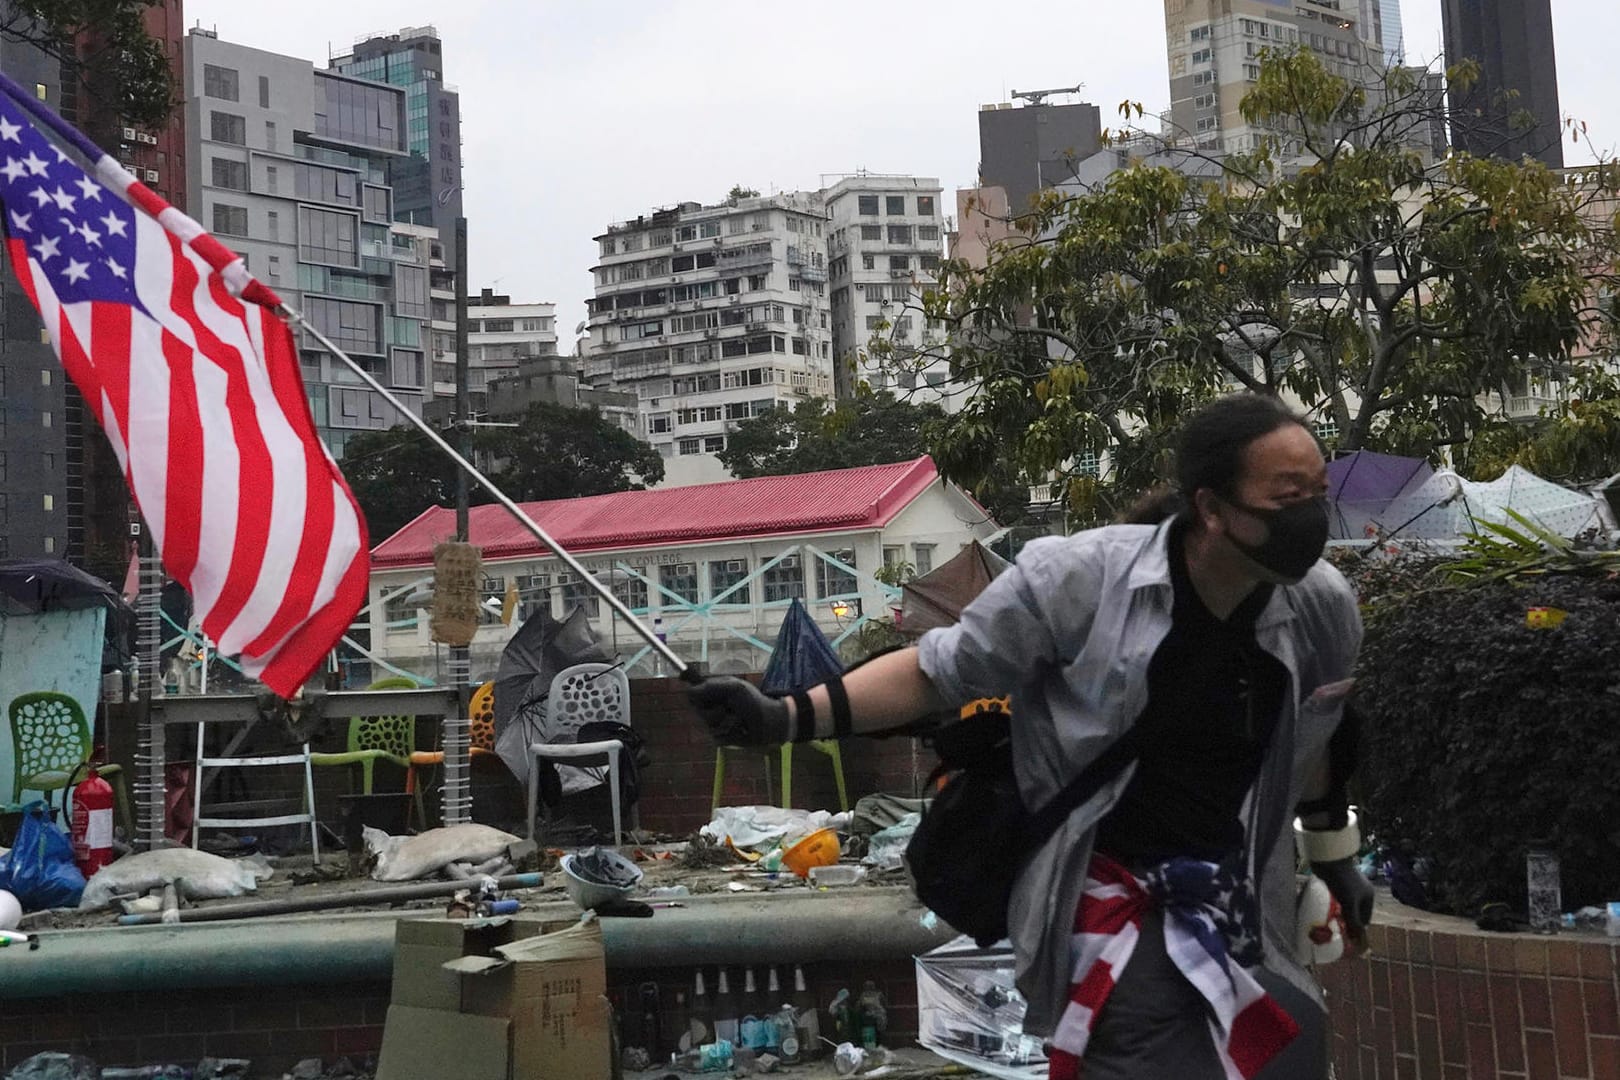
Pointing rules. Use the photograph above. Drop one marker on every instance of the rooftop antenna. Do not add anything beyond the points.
(1038, 97)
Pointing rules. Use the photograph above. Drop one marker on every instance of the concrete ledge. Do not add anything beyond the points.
(858, 924)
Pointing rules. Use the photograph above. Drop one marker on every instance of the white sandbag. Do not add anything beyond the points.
(411, 858)
(761, 828)
(206, 877)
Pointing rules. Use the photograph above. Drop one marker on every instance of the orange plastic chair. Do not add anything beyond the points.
(481, 733)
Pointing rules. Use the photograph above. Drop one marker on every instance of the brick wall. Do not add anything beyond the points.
(1442, 1005)
(676, 789)
(277, 1027)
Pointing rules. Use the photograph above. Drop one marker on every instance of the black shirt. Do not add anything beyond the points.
(1213, 701)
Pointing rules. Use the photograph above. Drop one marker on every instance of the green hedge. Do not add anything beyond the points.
(1483, 735)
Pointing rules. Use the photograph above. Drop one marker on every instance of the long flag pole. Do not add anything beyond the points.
(618, 606)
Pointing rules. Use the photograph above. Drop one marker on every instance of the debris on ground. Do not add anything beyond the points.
(205, 876)
(411, 858)
(704, 853)
(760, 828)
(886, 849)
(54, 1066)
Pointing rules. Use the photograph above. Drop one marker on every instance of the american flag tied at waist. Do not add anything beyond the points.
(1211, 929)
(194, 377)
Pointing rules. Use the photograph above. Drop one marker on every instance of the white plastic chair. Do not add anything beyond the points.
(580, 695)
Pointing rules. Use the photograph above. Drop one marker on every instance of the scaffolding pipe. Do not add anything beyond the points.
(292, 905)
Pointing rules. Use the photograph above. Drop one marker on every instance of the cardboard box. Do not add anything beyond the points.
(497, 1000)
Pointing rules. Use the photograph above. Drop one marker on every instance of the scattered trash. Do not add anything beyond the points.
(635, 1059)
(740, 886)
(705, 853)
(55, 1066)
(929, 920)
(39, 870)
(875, 813)
(970, 1011)
(308, 1069)
(838, 874)
(711, 1057)
(147, 1072)
(820, 848)
(852, 1060)
(669, 892)
(223, 1069)
(599, 878)
(205, 876)
(11, 911)
(886, 849)
(411, 858)
(761, 828)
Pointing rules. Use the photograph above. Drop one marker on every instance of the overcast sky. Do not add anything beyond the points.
(578, 114)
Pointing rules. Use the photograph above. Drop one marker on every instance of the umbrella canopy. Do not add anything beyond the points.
(542, 647)
(938, 597)
(29, 586)
(802, 658)
(1363, 485)
(1447, 507)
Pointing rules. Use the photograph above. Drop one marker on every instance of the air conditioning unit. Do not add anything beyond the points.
(676, 278)
(717, 241)
(145, 138)
(736, 299)
(678, 247)
(151, 176)
(790, 562)
(711, 333)
(735, 566)
(129, 134)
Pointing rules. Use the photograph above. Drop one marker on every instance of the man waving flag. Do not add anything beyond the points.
(192, 373)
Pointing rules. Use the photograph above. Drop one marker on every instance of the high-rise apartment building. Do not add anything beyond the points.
(884, 241)
(1215, 47)
(33, 444)
(1391, 32)
(501, 336)
(1512, 40)
(1025, 148)
(289, 167)
(710, 315)
(427, 184)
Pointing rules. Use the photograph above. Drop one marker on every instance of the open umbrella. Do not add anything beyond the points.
(29, 586)
(938, 597)
(802, 658)
(542, 647)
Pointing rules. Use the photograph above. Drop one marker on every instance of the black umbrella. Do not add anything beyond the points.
(540, 649)
(30, 586)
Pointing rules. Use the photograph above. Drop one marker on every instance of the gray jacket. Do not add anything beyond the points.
(1068, 631)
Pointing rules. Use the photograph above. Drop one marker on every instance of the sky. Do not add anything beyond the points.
(576, 115)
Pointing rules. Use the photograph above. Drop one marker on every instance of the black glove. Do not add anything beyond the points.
(739, 714)
(1353, 891)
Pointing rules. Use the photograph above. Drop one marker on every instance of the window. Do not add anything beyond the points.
(41, 91)
(1204, 101)
(784, 580)
(922, 558)
(895, 204)
(833, 581)
(221, 83)
(867, 262)
(45, 418)
(230, 220)
(680, 579)
(899, 262)
(1201, 56)
(327, 236)
(927, 233)
(1200, 33)
(1251, 72)
(264, 91)
(713, 444)
(351, 325)
(44, 376)
(534, 593)
(724, 578)
(893, 556)
(273, 226)
(269, 135)
(1203, 78)
(227, 128)
(925, 206)
(871, 232)
(899, 234)
(578, 594)
(1087, 464)
(632, 593)
(272, 179)
(1206, 123)
(1327, 430)
(689, 446)
(929, 263)
(230, 174)
(321, 184)
(867, 205)
(50, 502)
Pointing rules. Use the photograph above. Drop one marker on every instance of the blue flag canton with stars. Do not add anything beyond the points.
(80, 234)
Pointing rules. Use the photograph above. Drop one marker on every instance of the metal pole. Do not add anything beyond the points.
(151, 740)
(533, 527)
(456, 738)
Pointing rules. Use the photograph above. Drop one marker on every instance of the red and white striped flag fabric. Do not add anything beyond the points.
(194, 377)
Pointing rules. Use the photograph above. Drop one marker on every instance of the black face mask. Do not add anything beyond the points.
(1296, 535)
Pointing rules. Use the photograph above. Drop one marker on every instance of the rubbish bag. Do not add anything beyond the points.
(39, 871)
(412, 858)
(52, 1065)
(970, 1011)
(887, 849)
(206, 876)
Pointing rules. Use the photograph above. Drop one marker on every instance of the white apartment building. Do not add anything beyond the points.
(884, 243)
(711, 315)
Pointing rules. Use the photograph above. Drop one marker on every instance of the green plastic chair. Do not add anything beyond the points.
(379, 738)
(825, 746)
(50, 740)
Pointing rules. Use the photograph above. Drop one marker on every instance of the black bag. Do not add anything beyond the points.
(974, 839)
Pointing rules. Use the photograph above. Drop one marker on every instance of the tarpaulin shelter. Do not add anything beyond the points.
(802, 657)
(938, 597)
(1446, 507)
(1361, 487)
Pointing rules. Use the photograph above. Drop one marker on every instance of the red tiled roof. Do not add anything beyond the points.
(839, 500)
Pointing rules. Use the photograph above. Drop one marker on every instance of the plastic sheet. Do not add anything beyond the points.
(969, 1011)
(761, 828)
(887, 849)
(206, 877)
(412, 858)
(39, 871)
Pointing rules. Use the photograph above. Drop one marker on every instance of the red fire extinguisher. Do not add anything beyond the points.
(92, 830)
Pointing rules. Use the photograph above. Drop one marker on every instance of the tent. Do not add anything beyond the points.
(1447, 507)
(802, 658)
(938, 597)
(1361, 487)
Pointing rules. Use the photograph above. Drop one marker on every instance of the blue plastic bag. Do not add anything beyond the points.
(40, 871)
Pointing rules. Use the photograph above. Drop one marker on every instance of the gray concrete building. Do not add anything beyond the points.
(290, 167)
(427, 184)
(558, 380)
(1513, 42)
(1024, 148)
(33, 428)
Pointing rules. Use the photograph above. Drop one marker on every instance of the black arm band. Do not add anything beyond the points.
(804, 717)
(843, 723)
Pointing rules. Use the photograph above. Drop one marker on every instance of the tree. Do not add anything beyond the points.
(104, 45)
(1337, 262)
(738, 192)
(555, 453)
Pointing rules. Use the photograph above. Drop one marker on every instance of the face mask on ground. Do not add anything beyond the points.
(1296, 535)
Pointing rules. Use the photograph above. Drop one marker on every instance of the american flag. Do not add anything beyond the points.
(194, 377)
